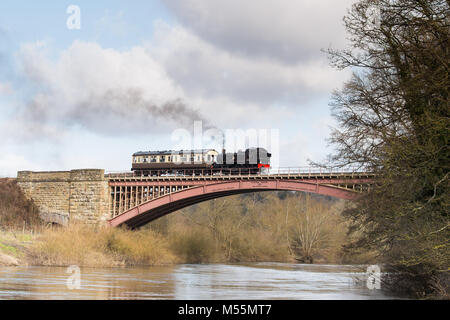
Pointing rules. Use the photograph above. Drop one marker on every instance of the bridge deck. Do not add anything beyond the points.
(216, 177)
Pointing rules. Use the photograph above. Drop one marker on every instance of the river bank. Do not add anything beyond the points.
(14, 247)
(100, 246)
(83, 246)
(272, 226)
(89, 246)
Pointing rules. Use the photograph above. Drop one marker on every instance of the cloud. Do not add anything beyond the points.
(202, 69)
(10, 162)
(286, 30)
(295, 151)
(166, 84)
(231, 64)
(103, 90)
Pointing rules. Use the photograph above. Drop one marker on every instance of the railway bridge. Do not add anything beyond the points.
(91, 196)
(136, 200)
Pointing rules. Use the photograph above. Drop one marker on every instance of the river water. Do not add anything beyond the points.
(190, 281)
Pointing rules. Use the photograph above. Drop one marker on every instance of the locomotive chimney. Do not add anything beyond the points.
(223, 142)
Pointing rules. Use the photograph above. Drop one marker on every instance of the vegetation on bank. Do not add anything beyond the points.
(283, 227)
(19, 220)
(16, 212)
(393, 118)
(99, 247)
(271, 226)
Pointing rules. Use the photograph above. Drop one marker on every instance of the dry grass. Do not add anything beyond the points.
(99, 246)
(192, 245)
(259, 245)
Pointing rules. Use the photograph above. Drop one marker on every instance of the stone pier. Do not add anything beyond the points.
(63, 196)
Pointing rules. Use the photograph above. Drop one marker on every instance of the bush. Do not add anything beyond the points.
(16, 211)
(99, 246)
(193, 246)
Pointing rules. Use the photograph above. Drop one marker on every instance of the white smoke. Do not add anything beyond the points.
(103, 90)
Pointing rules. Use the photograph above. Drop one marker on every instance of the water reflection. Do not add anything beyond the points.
(215, 281)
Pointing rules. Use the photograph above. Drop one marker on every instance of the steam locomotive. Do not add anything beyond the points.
(200, 162)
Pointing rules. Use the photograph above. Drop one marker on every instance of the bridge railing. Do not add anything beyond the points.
(239, 172)
(310, 170)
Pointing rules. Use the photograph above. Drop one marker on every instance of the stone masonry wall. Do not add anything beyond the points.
(61, 196)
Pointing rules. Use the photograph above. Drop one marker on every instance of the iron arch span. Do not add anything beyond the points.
(156, 208)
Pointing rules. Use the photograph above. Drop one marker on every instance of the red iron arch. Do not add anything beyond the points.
(156, 208)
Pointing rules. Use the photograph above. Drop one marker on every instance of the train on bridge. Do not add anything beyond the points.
(200, 162)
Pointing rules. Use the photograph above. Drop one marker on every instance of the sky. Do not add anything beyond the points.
(86, 88)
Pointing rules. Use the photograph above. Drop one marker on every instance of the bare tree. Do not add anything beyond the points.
(393, 118)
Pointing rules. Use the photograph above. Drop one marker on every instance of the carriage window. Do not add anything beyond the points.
(169, 158)
(162, 159)
(153, 159)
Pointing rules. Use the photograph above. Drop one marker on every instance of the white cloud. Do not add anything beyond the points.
(9, 164)
(295, 151)
(135, 90)
(203, 69)
(248, 64)
(287, 30)
(104, 90)
(86, 67)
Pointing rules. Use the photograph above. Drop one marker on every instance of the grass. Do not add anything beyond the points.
(16, 244)
(99, 246)
(8, 249)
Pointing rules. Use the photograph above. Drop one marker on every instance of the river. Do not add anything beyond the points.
(190, 281)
